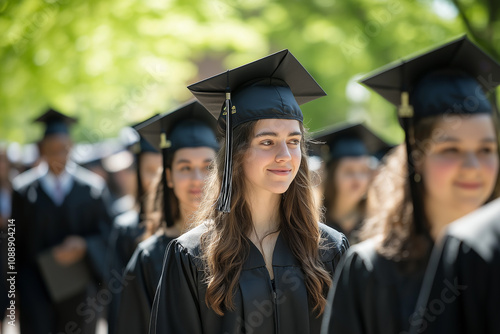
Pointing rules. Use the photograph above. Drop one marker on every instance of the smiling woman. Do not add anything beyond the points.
(258, 261)
(448, 168)
(189, 148)
(273, 156)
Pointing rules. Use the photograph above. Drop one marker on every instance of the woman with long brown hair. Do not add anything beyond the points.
(258, 261)
(447, 168)
(190, 146)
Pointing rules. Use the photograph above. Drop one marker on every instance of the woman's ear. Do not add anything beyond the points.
(168, 173)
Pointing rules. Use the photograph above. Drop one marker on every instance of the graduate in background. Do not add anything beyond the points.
(62, 228)
(258, 260)
(190, 134)
(348, 151)
(128, 227)
(447, 168)
(460, 293)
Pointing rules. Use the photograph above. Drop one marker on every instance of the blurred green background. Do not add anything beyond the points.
(115, 62)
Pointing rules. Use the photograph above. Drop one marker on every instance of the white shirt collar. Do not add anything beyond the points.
(49, 180)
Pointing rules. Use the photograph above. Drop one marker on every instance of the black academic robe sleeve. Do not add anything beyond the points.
(122, 244)
(180, 295)
(97, 243)
(461, 290)
(345, 284)
(144, 272)
(371, 294)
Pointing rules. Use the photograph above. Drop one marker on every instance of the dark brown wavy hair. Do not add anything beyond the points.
(390, 207)
(225, 245)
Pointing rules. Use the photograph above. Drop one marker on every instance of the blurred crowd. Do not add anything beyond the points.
(155, 231)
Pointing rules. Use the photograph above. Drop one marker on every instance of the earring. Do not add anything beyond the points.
(417, 177)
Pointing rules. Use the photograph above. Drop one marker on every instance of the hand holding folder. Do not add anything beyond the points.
(64, 269)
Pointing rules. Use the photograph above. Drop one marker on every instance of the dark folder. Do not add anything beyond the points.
(63, 281)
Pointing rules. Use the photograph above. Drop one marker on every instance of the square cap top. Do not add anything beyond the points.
(55, 122)
(347, 140)
(453, 76)
(190, 125)
(271, 87)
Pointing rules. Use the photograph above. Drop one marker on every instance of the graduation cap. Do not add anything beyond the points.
(347, 140)
(55, 122)
(190, 125)
(452, 78)
(271, 87)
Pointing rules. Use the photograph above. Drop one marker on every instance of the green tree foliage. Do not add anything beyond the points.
(116, 62)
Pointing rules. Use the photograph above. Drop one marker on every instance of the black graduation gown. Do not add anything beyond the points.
(371, 294)
(179, 305)
(41, 225)
(144, 270)
(122, 244)
(461, 290)
(352, 236)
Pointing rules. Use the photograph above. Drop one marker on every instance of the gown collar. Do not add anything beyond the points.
(282, 255)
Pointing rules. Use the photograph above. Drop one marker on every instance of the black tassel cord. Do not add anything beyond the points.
(224, 200)
(140, 189)
(167, 208)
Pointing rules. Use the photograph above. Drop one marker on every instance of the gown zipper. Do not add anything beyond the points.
(275, 304)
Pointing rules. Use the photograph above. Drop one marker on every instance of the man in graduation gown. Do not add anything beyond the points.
(461, 289)
(62, 226)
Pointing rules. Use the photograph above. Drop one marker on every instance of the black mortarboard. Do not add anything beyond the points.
(450, 79)
(347, 140)
(271, 87)
(144, 146)
(190, 125)
(55, 122)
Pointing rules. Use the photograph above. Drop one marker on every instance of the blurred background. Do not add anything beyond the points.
(116, 62)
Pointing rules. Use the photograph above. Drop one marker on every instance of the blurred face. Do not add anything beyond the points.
(150, 163)
(461, 165)
(273, 158)
(190, 168)
(351, 178)
(55, 150)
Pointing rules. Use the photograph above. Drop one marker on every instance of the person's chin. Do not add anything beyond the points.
(468, 204)
(279, 188)
(195, 200)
